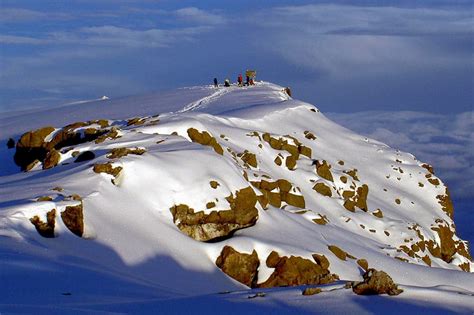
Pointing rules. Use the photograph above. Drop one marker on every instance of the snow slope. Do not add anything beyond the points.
(132, 255)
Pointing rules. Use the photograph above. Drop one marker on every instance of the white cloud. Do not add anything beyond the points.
(444, 141)
(198, 16)
(17, 15)
(345, 41)
(21, 40)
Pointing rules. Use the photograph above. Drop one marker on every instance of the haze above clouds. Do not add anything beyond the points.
(371, 56)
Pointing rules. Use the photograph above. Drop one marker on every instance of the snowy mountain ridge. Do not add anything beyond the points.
(204, 190)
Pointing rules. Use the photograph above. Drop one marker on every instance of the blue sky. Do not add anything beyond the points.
(344, 56)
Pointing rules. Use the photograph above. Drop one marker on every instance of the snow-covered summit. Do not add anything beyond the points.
(154, 194)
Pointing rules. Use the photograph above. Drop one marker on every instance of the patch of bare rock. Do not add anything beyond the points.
(376, 282)
(218, 224)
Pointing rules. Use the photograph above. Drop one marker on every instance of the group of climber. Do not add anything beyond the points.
(248, 81)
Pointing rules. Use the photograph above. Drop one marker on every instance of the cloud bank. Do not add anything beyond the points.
(444, 141)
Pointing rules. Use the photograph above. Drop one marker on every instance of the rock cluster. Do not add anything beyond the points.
(288, 271)
(276, 192)
(218, 224)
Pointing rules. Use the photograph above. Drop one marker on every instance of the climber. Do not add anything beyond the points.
(239, 79)
(227, 83)
(215, 83)
(247, 80)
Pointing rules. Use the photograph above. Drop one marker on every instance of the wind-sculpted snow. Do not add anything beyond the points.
(242, 187)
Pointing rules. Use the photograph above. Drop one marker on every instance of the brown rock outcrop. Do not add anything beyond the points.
(107, 168)
(446, 203)
(323, 189)
(312, 291)
(239, 266)
(323, 170)
(121, 152)
(341, 254)
(30, 147)
(275, 198)
(353, 199)
(294, 270)
(45, 229)
(205, 138)
(376, 282)
(218, 224)
(52, 159)
(73, 218)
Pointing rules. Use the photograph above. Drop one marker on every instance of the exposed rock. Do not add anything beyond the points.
(110, 134)
(45, 229)
(210, 205)
(376, 282)
(121, 152)
(52, 159)
(354, 199)
(276, 198)
(352, 173)
(447, 244)
(312, 291)
(85, 156)
(73, 218)
(434, 181)
(290, 162)
(323, 170)
(321, 260)
(30, 166)
(44, 198)
(341, 254)
(214, 184)
(278, 161)
(218, 224)
(361, 201)
(30, 147)
(283, 144)
(309, 135)
(322, 220)
(239, 266)
(427, 260)
(323, 189)
(137, 121)
(293, 270)
(249, 158)
(107, 168)
(363, 264)
(378, 213)
(428, 167)
(446, 203)
(205, 138)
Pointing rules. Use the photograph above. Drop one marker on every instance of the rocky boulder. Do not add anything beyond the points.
(31, 147)
(376, 282)
(239, 266)
(294, 270)
(73, 218)
(218, 224)
(45, 229)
